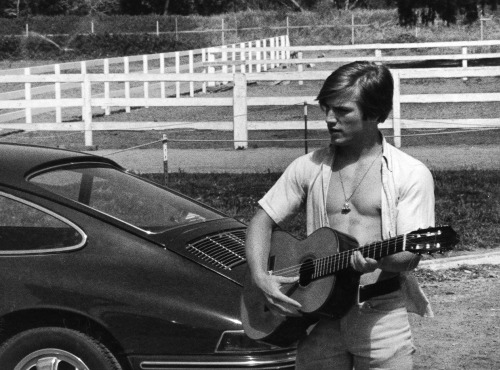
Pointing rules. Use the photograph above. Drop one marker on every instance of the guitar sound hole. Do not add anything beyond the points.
(306, 272)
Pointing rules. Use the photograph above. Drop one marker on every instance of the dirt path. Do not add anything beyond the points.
(465, 332)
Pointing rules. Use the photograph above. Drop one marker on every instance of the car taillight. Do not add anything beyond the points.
(237, 341)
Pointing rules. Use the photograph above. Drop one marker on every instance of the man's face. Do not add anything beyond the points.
(345, 121)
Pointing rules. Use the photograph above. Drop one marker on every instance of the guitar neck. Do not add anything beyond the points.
(329, 265)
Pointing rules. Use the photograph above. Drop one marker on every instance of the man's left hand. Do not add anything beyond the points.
(361, 264)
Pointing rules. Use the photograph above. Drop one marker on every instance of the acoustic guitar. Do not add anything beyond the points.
(327, 285)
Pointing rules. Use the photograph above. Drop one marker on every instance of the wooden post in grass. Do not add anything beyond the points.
(222, 33)
(240, 129)
(87, 110)
(300, 66)
(305, 128)
(352, 29)
(176, 31)
(165, 160)
(107, 108)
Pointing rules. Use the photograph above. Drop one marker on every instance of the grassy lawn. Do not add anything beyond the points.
(469, 201)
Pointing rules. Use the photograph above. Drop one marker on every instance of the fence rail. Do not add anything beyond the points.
(240, 100)
(237, 64)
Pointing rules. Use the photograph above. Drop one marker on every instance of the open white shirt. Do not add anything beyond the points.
(407, 201)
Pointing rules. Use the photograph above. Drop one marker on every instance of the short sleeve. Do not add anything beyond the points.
(287, 195)
(415, 208)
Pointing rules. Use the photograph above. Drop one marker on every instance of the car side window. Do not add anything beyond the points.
(29, 228)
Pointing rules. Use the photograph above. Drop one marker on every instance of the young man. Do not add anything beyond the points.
(362, 186)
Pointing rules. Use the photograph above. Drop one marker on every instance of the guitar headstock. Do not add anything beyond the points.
(431, 240)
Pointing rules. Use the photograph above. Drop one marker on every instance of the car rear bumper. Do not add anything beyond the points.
(281, 360)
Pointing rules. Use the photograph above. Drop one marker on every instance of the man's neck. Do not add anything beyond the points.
(368, 147)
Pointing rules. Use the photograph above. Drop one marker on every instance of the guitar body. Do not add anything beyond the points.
(330, 296)
(328, 285)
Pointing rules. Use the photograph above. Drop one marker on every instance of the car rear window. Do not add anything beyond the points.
(128, 198)
(28, 228)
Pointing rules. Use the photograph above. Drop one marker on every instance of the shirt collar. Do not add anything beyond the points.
(385, 153)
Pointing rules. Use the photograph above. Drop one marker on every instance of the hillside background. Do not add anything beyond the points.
(83, 29)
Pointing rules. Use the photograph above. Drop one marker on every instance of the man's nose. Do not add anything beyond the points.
(331, 118)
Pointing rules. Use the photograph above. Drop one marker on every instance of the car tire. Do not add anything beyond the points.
(49, 346)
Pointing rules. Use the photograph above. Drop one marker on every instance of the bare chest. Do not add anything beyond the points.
(354, 202)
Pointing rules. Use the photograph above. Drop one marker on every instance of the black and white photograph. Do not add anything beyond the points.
(250, 184)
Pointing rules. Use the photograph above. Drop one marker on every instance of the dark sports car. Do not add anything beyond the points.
(103, 270)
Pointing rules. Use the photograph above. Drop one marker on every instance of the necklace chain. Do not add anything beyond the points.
(346, 208)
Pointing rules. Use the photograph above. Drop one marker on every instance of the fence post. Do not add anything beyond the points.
(57, 87)
(126, 70)
(306, 144)
(165, 160)
(27, 96)
(203, 60)
(352, 29)
(464, 61)
(222, 35)
(258, 67)
(224, 59)
(378, 54)
(240, 126)
(287, 45)
(233, 59)
(283, 46)
(27, 30)
(177, 70)
(273, 52)
(87, 110)
(191, 70)
(264, 54)
(176, 31)
(300, 66)
(83, 66)
(211, 59)
(250, 47)
(107, 108)
(396, 110)
(242, 57)
(162, 71)
(145, 71)
(157, 28)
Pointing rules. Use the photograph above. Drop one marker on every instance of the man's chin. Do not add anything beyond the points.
(339, 141)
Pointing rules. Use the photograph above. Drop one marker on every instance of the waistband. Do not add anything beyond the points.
(379, 288)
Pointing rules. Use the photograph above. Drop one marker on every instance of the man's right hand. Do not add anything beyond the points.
(271, 285)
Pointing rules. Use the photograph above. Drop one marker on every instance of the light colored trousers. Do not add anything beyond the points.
(372, 335)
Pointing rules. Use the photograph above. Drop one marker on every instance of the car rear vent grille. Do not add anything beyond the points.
(224, 250)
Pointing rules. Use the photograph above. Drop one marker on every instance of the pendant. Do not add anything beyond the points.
(346, 209)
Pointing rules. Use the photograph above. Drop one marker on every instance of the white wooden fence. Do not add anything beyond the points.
(240, 101)
(236, 64)
(190, 61)
(461, 51)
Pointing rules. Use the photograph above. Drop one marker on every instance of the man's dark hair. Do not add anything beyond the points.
(369, 84)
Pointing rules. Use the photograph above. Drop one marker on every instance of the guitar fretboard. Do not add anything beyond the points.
(331, 264)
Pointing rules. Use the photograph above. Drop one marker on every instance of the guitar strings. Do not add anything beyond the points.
(342, 257)
(338, 258)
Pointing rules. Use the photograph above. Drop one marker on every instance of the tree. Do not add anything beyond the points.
(446, 9)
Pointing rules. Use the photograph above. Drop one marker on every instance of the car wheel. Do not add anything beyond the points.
(56, 349)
